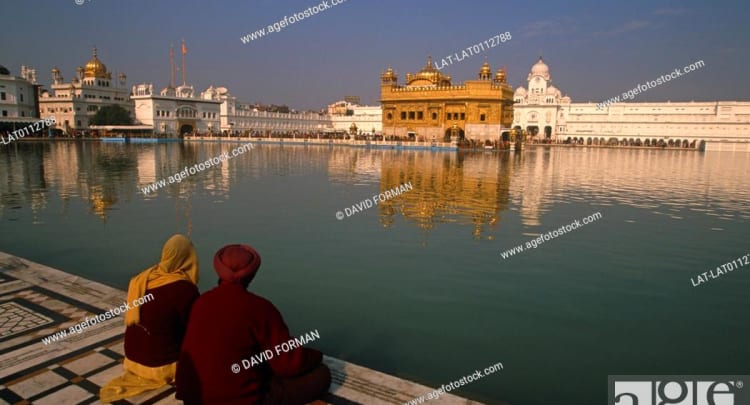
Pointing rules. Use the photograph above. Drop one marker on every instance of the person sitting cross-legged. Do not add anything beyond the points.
(229, 324)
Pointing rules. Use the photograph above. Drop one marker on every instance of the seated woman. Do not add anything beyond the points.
(228, 324)
(154, 331)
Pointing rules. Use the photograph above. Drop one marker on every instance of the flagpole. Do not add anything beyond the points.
(184, 51)
(171, 66)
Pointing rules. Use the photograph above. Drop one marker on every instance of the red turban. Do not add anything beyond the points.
(236, 263)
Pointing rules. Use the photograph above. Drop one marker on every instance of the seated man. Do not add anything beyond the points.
(228, 324)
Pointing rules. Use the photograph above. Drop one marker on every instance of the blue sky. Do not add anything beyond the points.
(595, 50)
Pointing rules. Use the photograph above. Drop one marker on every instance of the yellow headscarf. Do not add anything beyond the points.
(178, 262)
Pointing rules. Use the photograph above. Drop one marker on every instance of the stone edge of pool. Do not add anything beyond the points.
(37, 301)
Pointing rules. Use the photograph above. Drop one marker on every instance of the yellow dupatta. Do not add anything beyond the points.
(178, 262)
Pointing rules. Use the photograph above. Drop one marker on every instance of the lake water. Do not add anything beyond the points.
(416, 286)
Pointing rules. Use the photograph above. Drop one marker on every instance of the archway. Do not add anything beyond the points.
(186, 129)
(532, 130)
(449, 133)
(548, 132)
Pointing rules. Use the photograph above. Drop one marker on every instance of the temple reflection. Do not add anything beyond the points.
(448, 188)
(471, 189)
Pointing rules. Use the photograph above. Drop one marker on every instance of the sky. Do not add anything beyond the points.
(595, 49)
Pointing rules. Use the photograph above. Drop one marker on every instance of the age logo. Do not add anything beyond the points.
(677, 390)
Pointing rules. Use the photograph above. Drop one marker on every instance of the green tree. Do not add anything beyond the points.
(112, 115)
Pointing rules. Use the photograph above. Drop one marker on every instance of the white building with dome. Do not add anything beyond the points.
(74, 103)
(546, 113)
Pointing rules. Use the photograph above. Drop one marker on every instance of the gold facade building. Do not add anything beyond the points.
(429, 107)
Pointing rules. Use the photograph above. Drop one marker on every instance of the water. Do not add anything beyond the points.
(416, 286)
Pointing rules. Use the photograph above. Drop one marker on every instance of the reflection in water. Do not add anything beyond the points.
(448, 187)
(465, 188)
(676, 183)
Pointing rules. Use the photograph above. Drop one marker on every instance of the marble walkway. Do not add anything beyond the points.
(37, 301)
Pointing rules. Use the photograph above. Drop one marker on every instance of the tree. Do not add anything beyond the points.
(112, 115)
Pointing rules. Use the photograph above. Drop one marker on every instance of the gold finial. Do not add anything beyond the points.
(95, 51)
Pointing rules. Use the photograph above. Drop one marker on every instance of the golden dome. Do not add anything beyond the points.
(389, 76)
(485, 68)
(429, 74)
(485, 72)
(500, 75)
(95, 68)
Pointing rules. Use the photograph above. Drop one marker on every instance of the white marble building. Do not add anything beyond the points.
(176, 111)
(546, 113)
(73, 104)
(363, 119)
(242, 118)
(18, 95)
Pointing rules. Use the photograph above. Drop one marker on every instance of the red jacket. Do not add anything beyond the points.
(228, 324)
(155, 341)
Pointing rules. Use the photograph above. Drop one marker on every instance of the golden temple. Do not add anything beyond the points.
(429, 107)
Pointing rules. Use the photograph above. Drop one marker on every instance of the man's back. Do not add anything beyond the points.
(228, 324)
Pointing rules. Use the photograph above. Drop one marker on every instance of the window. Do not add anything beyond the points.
(463, 116)
(21, 97)
(23, 113)
(78, 123)
(447, 116)
(481, 117)
(389, 116)
(5, 113)
(403, 115)
(434, 116)
(2, 95)
(411, 115)
(419, 115)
